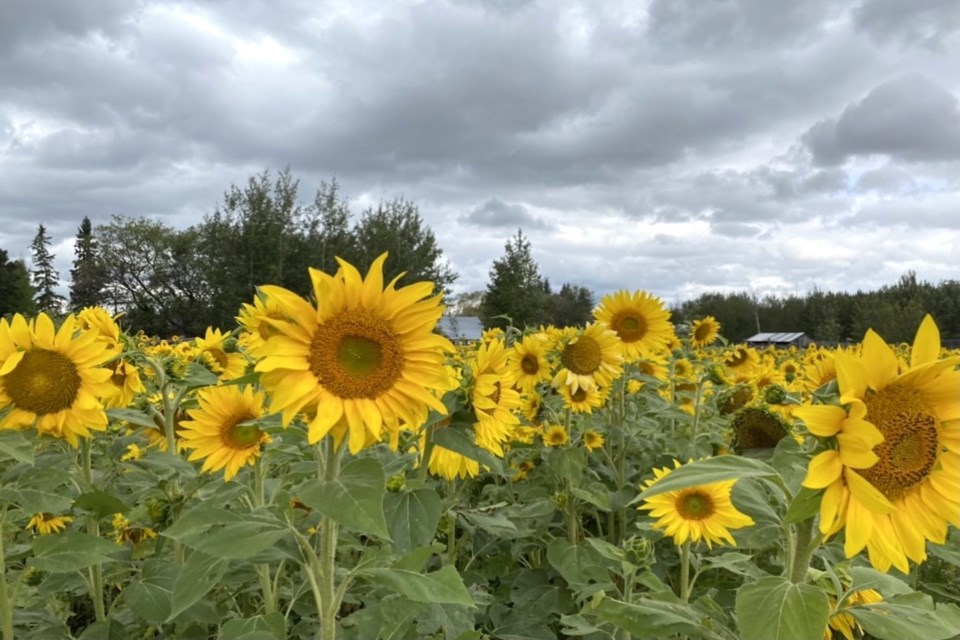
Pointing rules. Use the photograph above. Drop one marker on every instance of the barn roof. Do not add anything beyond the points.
(782, 337)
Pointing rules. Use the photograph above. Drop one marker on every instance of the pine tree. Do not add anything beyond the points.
(44, 274)
(86, 277)
(516, 288)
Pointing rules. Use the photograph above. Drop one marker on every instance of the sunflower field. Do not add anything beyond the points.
(334, 467)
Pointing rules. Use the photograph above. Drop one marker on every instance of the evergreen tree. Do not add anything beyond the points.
(86, 277)
(397, 228)
(516, 288)
(45, 276)
(571, 306)
(16, 294)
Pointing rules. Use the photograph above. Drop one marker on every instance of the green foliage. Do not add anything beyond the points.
(893, 311)
(44, 275)
(571, 306)
(16, 293)
(87, 276)
(516, 288)
(773, 608)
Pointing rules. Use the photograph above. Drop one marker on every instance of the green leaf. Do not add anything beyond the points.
(710, 470)
(578, 564)
(33, 501)
(773, 608)
(354, 498)
(199, 573)
(271, 625)
(70, 551)
(412, 518)
(654, 618)
(138, 418)
(109, 629)
(101, 503)
(226, 534)
(151, 598)
(440, 587)
(13, 444)
(458, 437)
(198, 375)
(908, 617)
(596, 494)
(804, 505)
(867, 578)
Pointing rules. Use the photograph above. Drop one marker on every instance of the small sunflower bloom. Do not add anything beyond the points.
(555, 436)
(44, 523)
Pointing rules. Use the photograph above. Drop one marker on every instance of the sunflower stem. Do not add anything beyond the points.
(807, 542)
(427, 452)
(329, 530)
(263, 569)
(6, 600)
(685, 571)
(696, 415)
(93, 528)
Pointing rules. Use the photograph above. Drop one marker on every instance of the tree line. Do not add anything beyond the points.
(893, 311)
(171, 281)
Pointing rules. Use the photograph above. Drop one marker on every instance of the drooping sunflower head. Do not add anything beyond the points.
(700, 512)
(704, 331)
(44, 523)
(757, 428)
(365, 353)
(52, 379)
(588, 357)
(638, 319)
(223, 431)
(99, 319)
(126, 384)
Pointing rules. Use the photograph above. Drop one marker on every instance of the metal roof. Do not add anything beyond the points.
(461, 327)
(776, 337)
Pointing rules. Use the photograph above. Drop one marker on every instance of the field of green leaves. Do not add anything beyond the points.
(335, 468)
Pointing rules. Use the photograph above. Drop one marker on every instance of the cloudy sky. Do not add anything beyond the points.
(676, 146)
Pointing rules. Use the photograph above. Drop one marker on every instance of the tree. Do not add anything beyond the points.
(86, 277)
(16, 294)
(44, 275)
(323, 231)
(571, 306)
(397, 228)
(516, 288)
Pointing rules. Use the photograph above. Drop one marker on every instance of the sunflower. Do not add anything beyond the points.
(704, 331)
(220, 433)
(592, 440)
(214, 353)
(44, 523)
(52, 379)
(253, 318)
(845, 623)
(893, 480)
(588, 357)
(528, 364)
(126, 384)
(703, 511)
(757, 428)
(366, 353)
(493, 397)
(639, 321)
(583, 400)
(555, 436)
(450, 465)
(741, 359)
(682, 368)
(99, 320)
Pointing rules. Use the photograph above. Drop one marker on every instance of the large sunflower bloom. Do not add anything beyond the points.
(704, 331)
(700, 512)
(366, 353)
(493, 397)
(893, 481)
(639, 321)
(52, 379)
(219, 431)
(588, 357)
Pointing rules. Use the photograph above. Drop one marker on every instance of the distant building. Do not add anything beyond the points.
(783, 340)
(461, 328)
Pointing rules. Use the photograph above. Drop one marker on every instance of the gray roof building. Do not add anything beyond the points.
(782, 339)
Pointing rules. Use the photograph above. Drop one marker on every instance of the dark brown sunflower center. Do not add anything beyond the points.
(755, 428)
(911, 441)
(530, 364)
(497, 392)
(219, 356)
(43, 382)
(579, 395)
(694, 505)
(629, 326)
(237, 435)
(119, 377)
(582, 357)
(702, 332)
(356, 354)
(267, 330)
(736, 358)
